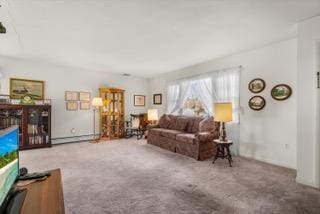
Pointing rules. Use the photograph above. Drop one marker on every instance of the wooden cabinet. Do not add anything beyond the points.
(34, 123)
(111, 113)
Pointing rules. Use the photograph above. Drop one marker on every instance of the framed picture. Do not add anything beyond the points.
(257, 85)
(85, 105)
(84, 96)
(281, 92)
(139, 100)
(22, 87)
(157, 99)
(71, 96)
(257, 103)
(72, 106)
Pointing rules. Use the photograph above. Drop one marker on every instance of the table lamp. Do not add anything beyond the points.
(223, 114)
(152, 115)
(96, 103)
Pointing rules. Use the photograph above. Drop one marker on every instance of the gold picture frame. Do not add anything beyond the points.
(22, 87)
(84, 96)
(139, 100)
(71, 96)
(85, 105)
(72, 106)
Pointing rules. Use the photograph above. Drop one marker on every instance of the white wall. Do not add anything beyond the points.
(308, 147)
(59, 79)
(268, 135)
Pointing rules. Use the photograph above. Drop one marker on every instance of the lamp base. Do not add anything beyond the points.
(94, 141)
(223, 134)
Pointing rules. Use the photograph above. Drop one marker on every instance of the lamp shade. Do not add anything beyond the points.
(152, 114)
(96, 102)
(223, 112)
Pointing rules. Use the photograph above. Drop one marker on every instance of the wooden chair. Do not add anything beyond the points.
(136, 126)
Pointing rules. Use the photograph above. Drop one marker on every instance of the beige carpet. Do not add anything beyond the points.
(130, 176)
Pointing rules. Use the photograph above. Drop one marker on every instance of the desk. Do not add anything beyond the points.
(44, 197)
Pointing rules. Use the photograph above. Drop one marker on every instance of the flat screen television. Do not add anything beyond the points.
(9, 162)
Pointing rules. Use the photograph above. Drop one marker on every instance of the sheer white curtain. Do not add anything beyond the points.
(209, 88)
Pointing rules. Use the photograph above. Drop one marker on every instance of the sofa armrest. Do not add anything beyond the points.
(151, 126)
(205, 136)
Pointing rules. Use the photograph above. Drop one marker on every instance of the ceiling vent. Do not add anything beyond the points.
(127, 75)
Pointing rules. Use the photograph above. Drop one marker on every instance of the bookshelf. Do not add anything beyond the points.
(34, 123)
(111, 113)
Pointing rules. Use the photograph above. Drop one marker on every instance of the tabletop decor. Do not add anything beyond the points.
(281, 92)
(21, 87)
(257, 103)
(257, 85)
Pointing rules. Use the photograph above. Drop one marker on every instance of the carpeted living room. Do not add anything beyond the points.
(171, 106)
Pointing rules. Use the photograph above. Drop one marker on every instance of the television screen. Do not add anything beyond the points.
(9, 164)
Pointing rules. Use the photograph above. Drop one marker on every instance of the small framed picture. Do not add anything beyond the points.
(281, 92)
(72, 106)
(85, 105)
(257, 85)
(71, 96)
(139, 100)
(257, 103)
(157, 99)
(84, 96)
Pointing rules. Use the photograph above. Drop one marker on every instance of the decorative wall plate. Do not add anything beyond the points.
(281, 92)
(257, 85)
(257, 103)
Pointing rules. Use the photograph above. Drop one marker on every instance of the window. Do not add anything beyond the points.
(195, 96)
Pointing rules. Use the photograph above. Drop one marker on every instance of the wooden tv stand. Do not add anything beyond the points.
(44, 197)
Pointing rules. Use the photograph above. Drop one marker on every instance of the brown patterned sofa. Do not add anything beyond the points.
(191, 136)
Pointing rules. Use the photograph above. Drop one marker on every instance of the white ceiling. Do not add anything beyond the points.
(144, 37)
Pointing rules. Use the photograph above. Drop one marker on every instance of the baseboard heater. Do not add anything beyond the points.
(72, 139)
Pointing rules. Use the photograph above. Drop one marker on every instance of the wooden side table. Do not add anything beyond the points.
(223, 150)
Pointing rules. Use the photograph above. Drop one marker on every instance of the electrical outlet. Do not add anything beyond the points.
(73, 130)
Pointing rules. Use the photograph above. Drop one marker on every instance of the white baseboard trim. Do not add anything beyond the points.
(266, 160)
(72, 139)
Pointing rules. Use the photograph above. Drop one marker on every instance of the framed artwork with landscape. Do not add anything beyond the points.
(139, 100)
(281, 92)
(257, 85)
(23, 87)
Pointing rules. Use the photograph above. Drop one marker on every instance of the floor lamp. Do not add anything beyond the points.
(95, 103)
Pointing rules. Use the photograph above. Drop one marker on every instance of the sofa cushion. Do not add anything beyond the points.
(164, 121)
(170, 133)
(156, 131)
(196, 122)
(186, 138)
(181, 123)
(207, 125)
(173, 122)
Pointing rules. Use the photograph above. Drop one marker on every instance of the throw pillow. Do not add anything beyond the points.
(164, 121)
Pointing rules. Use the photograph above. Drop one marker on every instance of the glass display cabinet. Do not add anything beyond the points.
(111, 113)
(34, 123)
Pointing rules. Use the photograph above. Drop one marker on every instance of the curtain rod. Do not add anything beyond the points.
(208, 72)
